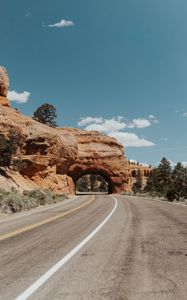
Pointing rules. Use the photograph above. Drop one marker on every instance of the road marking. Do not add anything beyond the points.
(25, 213)
(37, 284)
(38, 224)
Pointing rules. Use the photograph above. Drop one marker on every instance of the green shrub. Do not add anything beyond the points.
(38, 195)
(172, 195)
(15, 202)
(8, 147)
(12, 202)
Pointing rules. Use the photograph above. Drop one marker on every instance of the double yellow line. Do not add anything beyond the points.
(46, 221)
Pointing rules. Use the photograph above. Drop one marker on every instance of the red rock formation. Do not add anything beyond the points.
(144, 170)
(42, 150)
(55, 158)
(4, 85)
(98, 153)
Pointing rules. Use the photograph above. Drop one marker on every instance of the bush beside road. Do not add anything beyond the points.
(14, 201)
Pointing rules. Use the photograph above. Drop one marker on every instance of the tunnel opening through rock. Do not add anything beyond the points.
(92, 183)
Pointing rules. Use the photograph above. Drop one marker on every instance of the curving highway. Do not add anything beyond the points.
(95, 247)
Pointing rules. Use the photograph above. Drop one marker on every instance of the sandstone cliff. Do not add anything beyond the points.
(145, 172)
(4, 85)
(98, 153)
(54, 158)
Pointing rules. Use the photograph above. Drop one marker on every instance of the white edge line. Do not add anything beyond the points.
(38, 283)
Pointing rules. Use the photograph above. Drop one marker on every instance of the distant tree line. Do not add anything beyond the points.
(164, 181)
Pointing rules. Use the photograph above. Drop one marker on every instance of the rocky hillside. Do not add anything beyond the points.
(54, 158)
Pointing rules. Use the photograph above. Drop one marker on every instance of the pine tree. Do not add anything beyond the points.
(179, 180)
(167, 182)
(137, 186)
(163, 177)
(8, 147)
(46, 114)
(151, 182)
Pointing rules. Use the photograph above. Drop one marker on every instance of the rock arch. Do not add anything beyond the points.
(98, 153)
(93, 182)
(77, 173)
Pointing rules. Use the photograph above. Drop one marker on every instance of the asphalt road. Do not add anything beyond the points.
(139, 252)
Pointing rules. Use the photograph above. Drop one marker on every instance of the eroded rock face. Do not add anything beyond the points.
(145, 172)
(42, 150)
(4, 82)
(55, 158)
(100, 154)
(4, 86)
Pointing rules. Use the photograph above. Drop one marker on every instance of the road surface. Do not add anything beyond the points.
(128, 248)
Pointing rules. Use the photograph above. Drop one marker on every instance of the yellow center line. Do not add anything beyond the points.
(46, 221)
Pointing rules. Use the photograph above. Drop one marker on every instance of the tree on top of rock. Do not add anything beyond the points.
(46, 114)
(137, 186)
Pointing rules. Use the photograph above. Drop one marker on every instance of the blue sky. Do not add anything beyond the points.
(117, 66)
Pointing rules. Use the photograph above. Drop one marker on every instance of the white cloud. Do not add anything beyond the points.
(114, 127)
(144, 164)
(184, 163)
(184, 114)
(131, 139)
(62, 23)
(153, 119)
(107, 126)
(18, 97)
(143, 122)
(139, 123)
(172, 163)
(115, 124)
(134, 161)
(164, 138)
(89, 120)
(103, 125)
